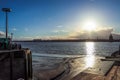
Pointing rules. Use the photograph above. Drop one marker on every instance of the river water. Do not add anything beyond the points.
(72, 48)
(47, 55)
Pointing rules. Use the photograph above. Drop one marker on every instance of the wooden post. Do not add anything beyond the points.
(11, 65)
(26, 66)
(119, 49)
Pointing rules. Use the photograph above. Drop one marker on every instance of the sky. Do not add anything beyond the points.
(61, 19)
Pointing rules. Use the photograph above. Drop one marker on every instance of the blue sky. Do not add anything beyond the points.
(48, 19)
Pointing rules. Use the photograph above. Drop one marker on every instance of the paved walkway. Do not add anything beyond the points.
(100, 70)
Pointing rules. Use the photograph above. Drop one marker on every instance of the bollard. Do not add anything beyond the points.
(11, 65)
(119, 49)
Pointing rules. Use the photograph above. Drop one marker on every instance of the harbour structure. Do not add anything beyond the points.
(15, 64)
(111, 37)
(15, 61)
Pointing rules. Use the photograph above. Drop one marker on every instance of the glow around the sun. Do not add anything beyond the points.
(89, 25)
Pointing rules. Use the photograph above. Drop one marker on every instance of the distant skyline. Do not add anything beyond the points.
(61, 19)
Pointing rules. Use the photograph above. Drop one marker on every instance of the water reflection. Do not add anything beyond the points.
(90, 58)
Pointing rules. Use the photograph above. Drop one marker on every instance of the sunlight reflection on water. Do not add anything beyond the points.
(90, 58)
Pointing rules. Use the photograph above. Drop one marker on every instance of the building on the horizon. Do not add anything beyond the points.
(111, 37)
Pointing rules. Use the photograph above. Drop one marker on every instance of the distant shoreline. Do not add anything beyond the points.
(84, 40)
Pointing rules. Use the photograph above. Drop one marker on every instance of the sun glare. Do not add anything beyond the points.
(90, 58)
(89, 25)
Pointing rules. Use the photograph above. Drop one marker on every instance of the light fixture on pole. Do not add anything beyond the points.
(11, 36)
(6, 10)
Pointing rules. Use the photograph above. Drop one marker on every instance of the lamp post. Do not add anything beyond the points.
(6, 10)
(11, 36)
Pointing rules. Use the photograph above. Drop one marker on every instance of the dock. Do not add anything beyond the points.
(16, 64)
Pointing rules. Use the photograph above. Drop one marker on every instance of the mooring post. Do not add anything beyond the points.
(11, 65)
(119, 49)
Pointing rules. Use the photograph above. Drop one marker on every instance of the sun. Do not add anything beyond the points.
(90, 25)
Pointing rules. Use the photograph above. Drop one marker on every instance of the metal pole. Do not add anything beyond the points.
(11, 37)
(6, 10)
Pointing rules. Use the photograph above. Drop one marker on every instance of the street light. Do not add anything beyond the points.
(11, 36)
(6, 10)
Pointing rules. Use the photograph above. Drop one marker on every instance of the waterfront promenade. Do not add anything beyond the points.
(79, 69)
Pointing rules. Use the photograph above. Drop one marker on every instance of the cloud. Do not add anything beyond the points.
(116, 35)
(37, 37)
(59, 31)
(92, 0)
(14, 29)
(54, 37)
(2, 33)
(59, 26)
(26, 29)
(100, 33)
(23, 38)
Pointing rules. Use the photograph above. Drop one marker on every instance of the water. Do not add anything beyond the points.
(47, 55)
(72, 48)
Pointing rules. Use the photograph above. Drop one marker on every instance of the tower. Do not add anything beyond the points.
(111, 37)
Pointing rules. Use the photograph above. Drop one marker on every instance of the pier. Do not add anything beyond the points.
(15, 64)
